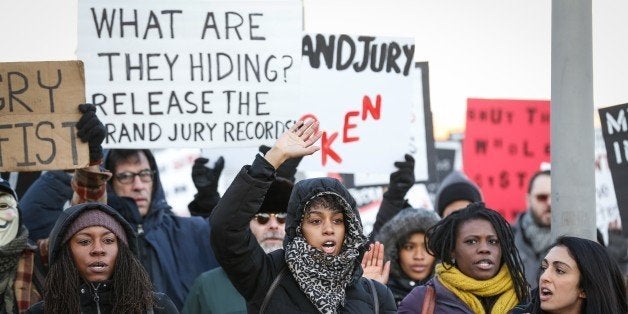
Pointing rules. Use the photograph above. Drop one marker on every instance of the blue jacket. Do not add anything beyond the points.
(174, 250)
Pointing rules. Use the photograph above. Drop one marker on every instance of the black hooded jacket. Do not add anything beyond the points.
(96, 300)
(252, 271)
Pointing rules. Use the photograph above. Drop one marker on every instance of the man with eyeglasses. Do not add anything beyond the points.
(532, 227)
(212, 291)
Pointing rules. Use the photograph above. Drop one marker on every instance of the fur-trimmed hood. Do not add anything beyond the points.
(405, 223)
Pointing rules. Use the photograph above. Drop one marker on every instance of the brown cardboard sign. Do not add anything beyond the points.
(38, 115)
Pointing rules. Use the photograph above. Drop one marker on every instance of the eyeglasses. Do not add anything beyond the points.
(128, 177)
(264, 218)
(543, 198)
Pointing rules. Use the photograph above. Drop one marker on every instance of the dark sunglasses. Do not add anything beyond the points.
(127, 177)
(542, 197)
(264, 218)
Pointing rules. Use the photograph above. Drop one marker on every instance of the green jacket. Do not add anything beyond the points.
(212, 292)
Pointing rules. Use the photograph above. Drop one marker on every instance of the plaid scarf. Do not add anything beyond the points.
(9, 260)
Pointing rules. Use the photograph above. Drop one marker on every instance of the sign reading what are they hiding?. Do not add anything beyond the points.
(38, 115)
(191, 74)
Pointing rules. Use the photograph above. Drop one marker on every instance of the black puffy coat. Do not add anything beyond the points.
(252, 271)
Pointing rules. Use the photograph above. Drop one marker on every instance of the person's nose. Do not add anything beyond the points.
(419, 254)
(484, 248)
(97, 249)
(328, 227)
(545, 276)
(273, 223)
(138, 184)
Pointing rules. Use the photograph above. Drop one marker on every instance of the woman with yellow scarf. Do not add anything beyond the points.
(480, 270)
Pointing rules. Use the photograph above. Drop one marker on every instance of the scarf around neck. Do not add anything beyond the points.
(540, 237)
(322, 277)
(9, 257)
(468, 289)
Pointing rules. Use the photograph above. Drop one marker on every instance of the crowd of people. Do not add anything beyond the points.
(103, 239)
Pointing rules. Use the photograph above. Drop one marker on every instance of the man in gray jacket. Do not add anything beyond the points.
(532, 228)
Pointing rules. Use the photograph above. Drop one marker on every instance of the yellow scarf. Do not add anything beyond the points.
(467, 288)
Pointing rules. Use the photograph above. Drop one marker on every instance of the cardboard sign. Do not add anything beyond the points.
(505, 143)
(615, 132)
(367, 95)
(191, 74)
(38, 113)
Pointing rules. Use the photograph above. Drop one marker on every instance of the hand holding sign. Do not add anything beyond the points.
(91, 131)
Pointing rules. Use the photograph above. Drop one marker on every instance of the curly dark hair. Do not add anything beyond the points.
(132, 288)
(441, 241)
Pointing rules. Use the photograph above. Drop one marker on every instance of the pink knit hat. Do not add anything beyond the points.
(92, 218)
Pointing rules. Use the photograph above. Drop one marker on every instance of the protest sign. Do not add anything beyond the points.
(367, 95)
(191, 74)
(615, 132)
(389, 129)
(38, 114)
(605, 200)
(505, 142)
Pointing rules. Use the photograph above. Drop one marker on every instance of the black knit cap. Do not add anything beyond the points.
(455, 192)
(277, 197)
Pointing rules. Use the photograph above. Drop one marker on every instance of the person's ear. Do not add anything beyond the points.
(582, 294)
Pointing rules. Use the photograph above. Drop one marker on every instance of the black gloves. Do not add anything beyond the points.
(288, 169)
(401, 180)
(91, 131)
(206, 182)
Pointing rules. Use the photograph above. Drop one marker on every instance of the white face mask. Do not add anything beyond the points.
(8, 218)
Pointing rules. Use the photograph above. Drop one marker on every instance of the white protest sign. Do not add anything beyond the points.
(362, 90)
(191, 73)
(607, 210)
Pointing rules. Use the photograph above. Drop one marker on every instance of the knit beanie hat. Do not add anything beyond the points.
(277, 197)
(455, 187)
(92, 218)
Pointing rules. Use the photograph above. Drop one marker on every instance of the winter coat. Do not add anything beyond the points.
(96, 300)
(99, 301)
(213, 292)
(406, 223)
(43, 202)
(252, 271)
(174, 250)
(446, 301)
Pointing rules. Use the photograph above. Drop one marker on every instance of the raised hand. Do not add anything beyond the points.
(91, 131)
(401, 180)
(298, 141)
(373, 265)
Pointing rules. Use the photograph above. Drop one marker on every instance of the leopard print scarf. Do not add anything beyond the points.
(322, 277)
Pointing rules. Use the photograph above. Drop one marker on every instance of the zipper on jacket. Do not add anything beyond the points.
(140, 230)
(96, 297)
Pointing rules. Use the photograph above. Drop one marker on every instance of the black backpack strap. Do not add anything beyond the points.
(272, 288)
(374, 293)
